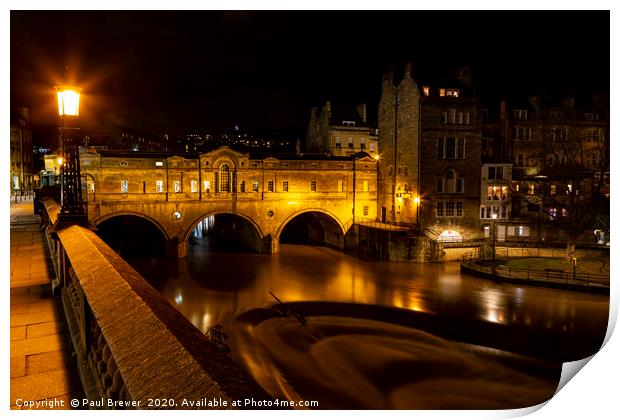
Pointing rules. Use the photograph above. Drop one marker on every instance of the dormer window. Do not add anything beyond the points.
(452, 92)
(426, 90)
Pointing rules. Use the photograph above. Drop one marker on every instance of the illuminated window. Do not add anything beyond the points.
(452, 92)
(224, 178)
(177, 186)
(553, 189)
(194, 185)
(207, 186)
(426, 90)
(285, 186)
(124, 186)
(255, 186)
(442, 92)
(372, 147)
(159, 163)
(530, 189)
(159, 186)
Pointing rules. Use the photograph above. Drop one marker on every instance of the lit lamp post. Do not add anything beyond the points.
(494, 217)
(71, 209)
(416, 200)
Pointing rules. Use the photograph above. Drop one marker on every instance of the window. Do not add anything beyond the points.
(177, 186)
(312, 185)
(242, 186)
(440, 209)
(460, 185)
(459, 209)
(439, 185)
(255, 186)
(520, 160)
(495, 172)
(450, 209)
(372, 147)
(350, 143)
(285, 186)
(362, 146)
(365, 210)
(340, 185)
(530, 189)
(553, 189)
(522, 133)
(224, 178)
(270, 186)
(159, 186)
(451, 148)
(194, 185)
(444, 117)
(452, 115)
(338, 145)
(159, 163)
(452, 92)
(442, 92)
(523, 231)
(497, 192)
(426, 90)
(365, 186)
(124, 186)
(206, 186)
(520, 114)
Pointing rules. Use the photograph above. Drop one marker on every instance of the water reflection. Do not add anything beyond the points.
(212, 288)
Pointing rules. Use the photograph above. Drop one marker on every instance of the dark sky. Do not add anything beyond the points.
(264, 70)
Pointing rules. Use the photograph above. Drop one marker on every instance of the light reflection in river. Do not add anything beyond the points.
(211, 288)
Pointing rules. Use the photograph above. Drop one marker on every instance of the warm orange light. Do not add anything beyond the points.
(59, 161)
(416, 200)
(68, 101)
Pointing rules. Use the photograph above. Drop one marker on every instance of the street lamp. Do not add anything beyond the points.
(71, 209)
(494, 217)
(417, 200)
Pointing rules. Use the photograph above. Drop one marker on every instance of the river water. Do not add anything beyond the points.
(212, 288)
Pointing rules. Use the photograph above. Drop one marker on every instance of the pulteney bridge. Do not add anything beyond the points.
(263, 194)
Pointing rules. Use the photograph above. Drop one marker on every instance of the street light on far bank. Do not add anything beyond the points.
(494, 217)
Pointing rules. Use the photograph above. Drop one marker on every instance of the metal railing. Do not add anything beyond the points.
(483, 263)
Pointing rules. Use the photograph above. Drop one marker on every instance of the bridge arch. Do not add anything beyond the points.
(194, 224)
(111, 215)
(331, 237)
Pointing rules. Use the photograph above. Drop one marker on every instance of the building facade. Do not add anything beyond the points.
(22, 177)
(341, 134)
(429, 171)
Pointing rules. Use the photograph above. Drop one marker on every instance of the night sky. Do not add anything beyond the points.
(175, 70)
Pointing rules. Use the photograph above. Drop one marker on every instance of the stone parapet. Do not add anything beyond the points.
(132, 345)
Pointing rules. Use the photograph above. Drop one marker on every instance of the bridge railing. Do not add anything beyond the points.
(132, 344)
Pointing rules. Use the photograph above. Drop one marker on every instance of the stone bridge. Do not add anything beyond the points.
(177, 192)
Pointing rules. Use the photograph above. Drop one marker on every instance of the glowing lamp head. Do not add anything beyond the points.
(68, 101)
(494, 216)
(59, 160)
(377, 157)
(416, 200)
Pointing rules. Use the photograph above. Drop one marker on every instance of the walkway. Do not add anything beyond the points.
(42, 369)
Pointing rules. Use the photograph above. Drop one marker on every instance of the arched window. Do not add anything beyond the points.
(224, 178)
(450, 182)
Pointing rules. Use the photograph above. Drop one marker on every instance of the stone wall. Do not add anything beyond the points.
(131, 344)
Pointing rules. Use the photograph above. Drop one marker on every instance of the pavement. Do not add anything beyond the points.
(43, 368)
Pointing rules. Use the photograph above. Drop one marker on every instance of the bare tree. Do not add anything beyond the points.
(572, 187)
